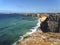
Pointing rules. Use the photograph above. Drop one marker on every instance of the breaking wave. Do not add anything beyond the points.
(31, 30)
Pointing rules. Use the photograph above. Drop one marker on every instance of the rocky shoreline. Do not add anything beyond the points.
(40, 38)
(47, 34)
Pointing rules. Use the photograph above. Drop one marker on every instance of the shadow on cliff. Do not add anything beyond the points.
(44, 26)
(58, 28)
(51, 24)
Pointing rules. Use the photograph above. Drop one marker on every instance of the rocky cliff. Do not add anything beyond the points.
(40, 38)
(47, 34)
(49, 22)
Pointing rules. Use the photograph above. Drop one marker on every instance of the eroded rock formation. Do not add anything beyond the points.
(49, 24)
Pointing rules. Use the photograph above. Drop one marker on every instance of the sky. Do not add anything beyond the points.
(30, 6)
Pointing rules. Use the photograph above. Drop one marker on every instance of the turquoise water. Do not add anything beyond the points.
(14, 25)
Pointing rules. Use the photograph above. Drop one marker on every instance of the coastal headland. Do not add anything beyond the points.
(47, 34)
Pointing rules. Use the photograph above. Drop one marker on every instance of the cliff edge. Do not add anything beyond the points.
(47, 34)
(40, 38)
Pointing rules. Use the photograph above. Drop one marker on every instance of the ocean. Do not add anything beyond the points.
(12, 26)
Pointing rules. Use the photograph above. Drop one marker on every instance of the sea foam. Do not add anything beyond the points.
(31, 31)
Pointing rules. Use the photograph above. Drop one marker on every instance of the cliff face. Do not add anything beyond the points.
(54, 23)
(47, 34)
(51, 24)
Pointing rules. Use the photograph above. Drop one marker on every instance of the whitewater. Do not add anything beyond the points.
(31, 31)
